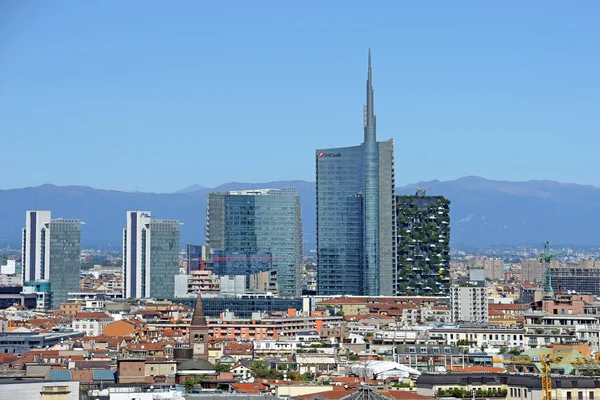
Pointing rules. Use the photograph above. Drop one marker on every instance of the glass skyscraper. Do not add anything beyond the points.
(356, 213)
(63, 241)
(150, 256)
(51, 254)
(249, 230)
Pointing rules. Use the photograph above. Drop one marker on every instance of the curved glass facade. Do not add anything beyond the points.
(355, 214)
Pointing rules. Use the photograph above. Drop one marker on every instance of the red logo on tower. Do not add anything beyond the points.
(321, 154)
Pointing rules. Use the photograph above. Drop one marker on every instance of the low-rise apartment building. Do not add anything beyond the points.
(483, 337)
(91, 323)
(508, 386)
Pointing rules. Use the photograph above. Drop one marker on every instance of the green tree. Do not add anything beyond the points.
(261, 370)
(296, 376)
(189, 383)
(223, 368)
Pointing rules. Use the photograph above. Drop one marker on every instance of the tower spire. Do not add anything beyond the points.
(369, 112)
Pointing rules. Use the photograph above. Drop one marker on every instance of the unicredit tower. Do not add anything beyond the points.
(355, 213)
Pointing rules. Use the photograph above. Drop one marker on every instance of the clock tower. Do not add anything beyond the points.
(199, 331)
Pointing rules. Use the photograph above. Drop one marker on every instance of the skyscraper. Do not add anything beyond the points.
(31, 250)
(355, 213)
(150, 256)
(422, 245)
(51, 251)
(257, 230)
(63, 243)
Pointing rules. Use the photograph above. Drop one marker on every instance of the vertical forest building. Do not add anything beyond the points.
(423, 245)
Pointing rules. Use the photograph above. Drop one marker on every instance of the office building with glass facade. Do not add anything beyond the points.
(243, 307)
(355, 214)
(150, 256)
(195, 255)
(241, 263)
(63, 245)
(51, 251)
(251, 231)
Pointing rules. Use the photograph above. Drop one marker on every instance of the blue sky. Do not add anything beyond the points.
(160, 95)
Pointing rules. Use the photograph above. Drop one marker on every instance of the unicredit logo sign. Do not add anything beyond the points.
(321, 155)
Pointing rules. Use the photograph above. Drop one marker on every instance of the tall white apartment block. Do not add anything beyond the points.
(51, 251)
(150, 256)
(469, 301)
(9, 269)
(33, 257)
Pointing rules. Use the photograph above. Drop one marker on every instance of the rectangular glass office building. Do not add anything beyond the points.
(265, 225)
(63, 243)
(150, 256)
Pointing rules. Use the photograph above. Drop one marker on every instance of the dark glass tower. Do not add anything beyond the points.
(356, 212)
(251, 231)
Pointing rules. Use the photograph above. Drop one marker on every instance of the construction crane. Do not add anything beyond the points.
(545, 258)
(546, 377)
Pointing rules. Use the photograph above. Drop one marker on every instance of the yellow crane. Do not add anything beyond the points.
(546, 377)
(546, 381)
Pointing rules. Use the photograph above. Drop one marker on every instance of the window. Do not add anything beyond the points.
(579, 395)
(591, 396)
(569, 397)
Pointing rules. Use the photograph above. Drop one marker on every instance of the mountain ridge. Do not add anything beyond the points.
(483, 211)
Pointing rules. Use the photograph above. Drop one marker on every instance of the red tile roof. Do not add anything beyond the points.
(92, 315)
(494, 306)
(83, 375)
(249, 388)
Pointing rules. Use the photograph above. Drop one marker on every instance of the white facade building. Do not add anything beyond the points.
(10, 268)
(469, 302)
(51, 250)
(91, 323)
(33, 257)
(232, 285)
(150, 256)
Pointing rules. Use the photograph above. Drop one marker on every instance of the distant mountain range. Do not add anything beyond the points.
(483, 212)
